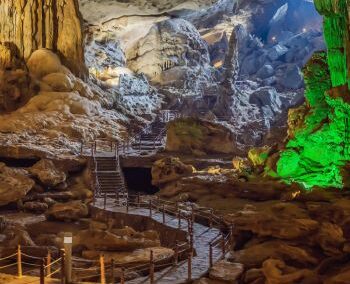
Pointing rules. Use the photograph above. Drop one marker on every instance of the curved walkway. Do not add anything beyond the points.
(202, 239)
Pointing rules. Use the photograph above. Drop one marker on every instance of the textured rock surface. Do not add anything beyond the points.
(199, 137)
(98, 240)
(169, 169)
(47, 173)
(318, 153)
(14, 184)
(34, 24)
(69, 211)
(226, 271)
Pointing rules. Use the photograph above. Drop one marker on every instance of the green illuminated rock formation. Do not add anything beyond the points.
(318, 146)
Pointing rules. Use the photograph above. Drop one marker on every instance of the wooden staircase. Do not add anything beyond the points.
(151, 138)
(109, 179)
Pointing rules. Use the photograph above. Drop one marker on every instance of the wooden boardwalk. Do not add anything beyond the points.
(202, 237)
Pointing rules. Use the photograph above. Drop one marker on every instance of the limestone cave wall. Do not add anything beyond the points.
(27, 25)
(317, 153)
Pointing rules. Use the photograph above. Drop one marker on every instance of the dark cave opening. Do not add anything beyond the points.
(19, 163)
(139, 180)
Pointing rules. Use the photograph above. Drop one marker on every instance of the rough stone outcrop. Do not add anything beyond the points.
(318, 153)
(69, 211)
(34, 24)
(14, 184)
(200, 137)
(169, 169)
(99, 240)
(48, 173)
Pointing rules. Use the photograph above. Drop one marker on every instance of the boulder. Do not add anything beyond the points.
(255, 255)
(59, 82)
(284, 221)
(292, 77)
(276, 52)
(14, 185)
(277, 272)
(199, 137)
(265, 72)
(43, 62)
(226, 271)
(266, 97)
(99, 240)
(69, 211)
(169, 169)
(138, 256)
(48, 174)
(36, 207)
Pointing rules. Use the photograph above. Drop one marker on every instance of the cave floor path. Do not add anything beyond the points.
(202, 236)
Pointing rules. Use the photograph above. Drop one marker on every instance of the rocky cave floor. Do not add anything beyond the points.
(282, 234)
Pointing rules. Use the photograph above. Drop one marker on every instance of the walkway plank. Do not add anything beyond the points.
(202, 237)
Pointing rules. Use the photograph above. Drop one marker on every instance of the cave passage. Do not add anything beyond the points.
(139, 180)
(19, 163)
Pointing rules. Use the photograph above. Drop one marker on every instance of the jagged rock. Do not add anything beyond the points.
(16, 235)
(138, 256)
(226, 271)
(330, 238)
(292, 77)
(14, 185)
(169, 169)
(46, 171)
(57, 26)
(265, 72)
(72, 210)
(277, 51)
(16, 88)
(199, 136)
(97, 240)
(278, 221)
(254, 275)
(255, 255)
(36, 207)
(341, 277)
(277, 272)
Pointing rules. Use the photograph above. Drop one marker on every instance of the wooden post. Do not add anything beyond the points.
(192, 213)
(105, 201)
(48, 264)
(210, 255)
(67, 244)
(179, 218)
(127, 205)
(42, 271)
(211, 218)
(122, 276)
(151, 268)
(176, 256)
(112, 271)
(63, 256)
(189, 262)
(150, 207)
(223, 245)
(138, 199)
(19, 262)
(163, 213)
(102, 269)
(191, 239)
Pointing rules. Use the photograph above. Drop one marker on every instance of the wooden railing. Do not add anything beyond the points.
(44, 266)
(183, 212)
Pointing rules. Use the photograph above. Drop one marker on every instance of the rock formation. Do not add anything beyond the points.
(318, 152)
(199, 137)
(30, 25)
